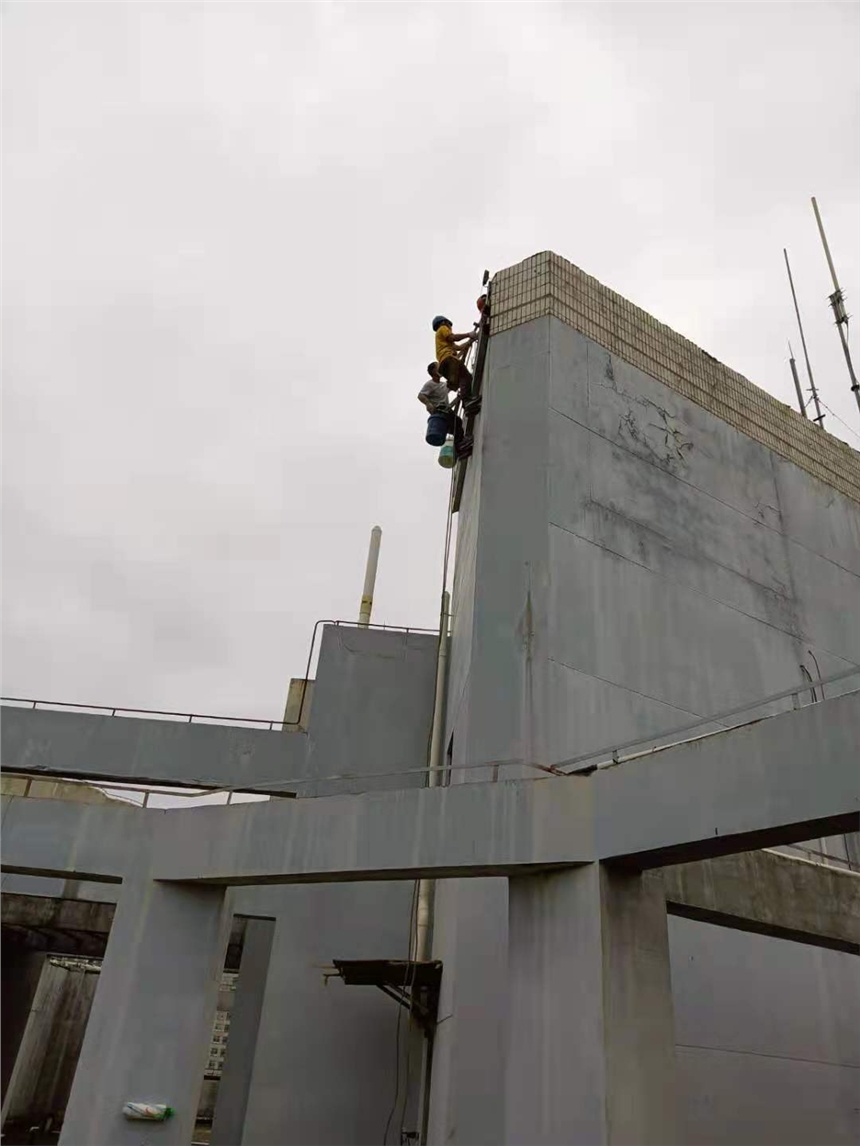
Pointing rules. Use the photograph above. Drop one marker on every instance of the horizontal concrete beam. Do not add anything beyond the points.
(770, 894)
(96, 842)
(87, 747)
(40, 913)
(81, 926)
(781, 780)
(464, 830)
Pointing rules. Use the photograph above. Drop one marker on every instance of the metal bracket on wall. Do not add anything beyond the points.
(411, 983)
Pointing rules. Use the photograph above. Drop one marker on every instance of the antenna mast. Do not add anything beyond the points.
(819, 417)
(793, 366)
(837, 302)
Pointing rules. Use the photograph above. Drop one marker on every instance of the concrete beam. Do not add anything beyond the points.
(467, 829)
(83, 746)
(39, 912)
(781, 780)
(770, 894)
(80, 926)
(78, 841)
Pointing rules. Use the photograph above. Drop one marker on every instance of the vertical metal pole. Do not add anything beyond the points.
(426, 887)
(797, 388)
(819, 418)
(366, 606)
(837, 302)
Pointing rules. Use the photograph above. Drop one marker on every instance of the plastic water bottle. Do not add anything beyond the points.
(147, 1111)
(446, 454)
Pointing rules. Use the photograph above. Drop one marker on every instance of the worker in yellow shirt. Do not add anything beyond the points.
(451, 350)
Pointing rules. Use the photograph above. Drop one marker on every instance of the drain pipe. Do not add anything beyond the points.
(366, 606)
(424, 911)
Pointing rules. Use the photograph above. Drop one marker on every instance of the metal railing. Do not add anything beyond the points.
(145, 791)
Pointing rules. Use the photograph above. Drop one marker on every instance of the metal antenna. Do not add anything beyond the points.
(819, 418)
(837, 302)
(793, 366)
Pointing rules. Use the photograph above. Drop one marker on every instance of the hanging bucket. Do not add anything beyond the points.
(437, 430)
(446, 455)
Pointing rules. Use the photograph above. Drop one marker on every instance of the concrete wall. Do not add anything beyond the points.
(373, 699)
(628, 563)
(48, 1054)
(768, 1039)
(322, 1070)
(21, 970)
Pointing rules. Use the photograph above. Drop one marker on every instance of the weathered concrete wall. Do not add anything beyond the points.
(21, 969)
(48, 1055)
(148, 751)
(373, 700)
(768, 1039)
(372, 709)
(770, 894)
(639, 564)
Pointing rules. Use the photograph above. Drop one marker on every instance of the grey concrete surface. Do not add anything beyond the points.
(73, 926)
(726, 792)
(98, 842)
(373, 706)
(149, 1031)
(437, 832)
(373, 694)
(771, 895)
(768, 1039)
(85, 746)
(629, 563)
(591, 1047)
(232, 1101)
(20, 971)
(45, 1065)
(743, 788)
(325, 1062)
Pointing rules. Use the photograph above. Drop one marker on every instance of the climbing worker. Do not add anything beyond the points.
(451, 351)
(443, 420)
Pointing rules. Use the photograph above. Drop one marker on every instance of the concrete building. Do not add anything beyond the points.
(654, 673)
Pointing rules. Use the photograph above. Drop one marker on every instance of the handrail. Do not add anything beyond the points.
(716, 718)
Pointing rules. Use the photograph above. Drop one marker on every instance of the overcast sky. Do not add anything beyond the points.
(226, 229)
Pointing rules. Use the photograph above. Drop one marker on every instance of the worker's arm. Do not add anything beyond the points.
(470, 337)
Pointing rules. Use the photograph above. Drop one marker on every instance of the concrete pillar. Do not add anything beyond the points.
(235, 1085)
(466, 1106)
(150, 1027)
(590, 1047)
(21, 970)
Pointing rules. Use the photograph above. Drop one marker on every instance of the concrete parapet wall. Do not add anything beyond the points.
(546, 284)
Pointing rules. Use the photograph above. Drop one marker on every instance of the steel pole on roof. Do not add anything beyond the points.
(837, 302)
(797, 388)
(366, 607)
(819, 417)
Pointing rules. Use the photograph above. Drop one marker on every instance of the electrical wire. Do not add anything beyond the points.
(838, 419)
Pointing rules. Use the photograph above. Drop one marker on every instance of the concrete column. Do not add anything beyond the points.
(466, 1105)
(235, 1085)
(591, 1047)
(150, 1027)
(22, 968)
